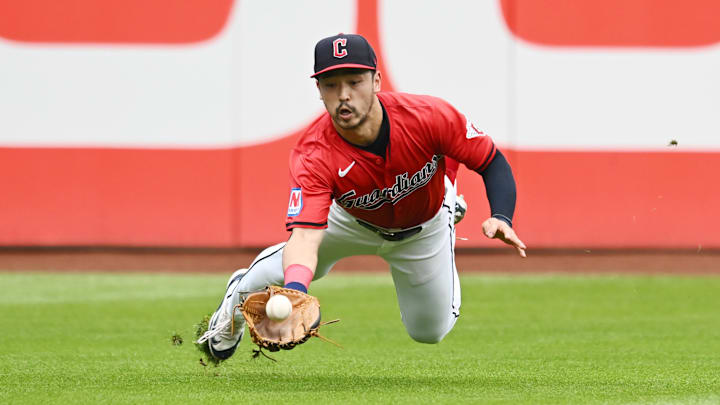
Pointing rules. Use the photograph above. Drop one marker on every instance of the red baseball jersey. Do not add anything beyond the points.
(404, 189)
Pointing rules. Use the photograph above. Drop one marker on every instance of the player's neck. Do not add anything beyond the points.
(366, 133)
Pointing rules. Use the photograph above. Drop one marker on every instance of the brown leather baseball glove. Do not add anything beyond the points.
(302, 324)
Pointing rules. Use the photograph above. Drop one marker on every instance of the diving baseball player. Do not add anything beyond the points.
(369, 178)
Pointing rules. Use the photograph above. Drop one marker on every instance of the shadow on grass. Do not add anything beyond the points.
(273, 382)
(503, 384)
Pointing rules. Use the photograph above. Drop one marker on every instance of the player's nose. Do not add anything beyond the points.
(344, 92)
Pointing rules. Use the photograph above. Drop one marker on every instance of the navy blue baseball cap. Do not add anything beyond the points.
(344, 51)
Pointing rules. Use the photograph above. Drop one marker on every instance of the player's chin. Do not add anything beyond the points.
(347, 123)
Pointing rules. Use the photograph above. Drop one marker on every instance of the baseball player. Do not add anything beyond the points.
(369, 178)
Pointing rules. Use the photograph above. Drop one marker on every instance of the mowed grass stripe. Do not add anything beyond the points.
(540, 339)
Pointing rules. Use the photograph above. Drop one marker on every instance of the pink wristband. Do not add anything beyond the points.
(299, 274)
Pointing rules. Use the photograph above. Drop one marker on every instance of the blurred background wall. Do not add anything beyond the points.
(168, 123)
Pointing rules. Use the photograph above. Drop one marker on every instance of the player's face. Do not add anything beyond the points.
(349, 95)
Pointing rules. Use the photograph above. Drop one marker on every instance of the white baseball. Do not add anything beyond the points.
(278, 308)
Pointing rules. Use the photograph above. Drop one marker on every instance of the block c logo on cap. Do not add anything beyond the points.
(337, 52)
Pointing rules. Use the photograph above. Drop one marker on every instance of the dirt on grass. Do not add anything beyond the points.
(84, 259)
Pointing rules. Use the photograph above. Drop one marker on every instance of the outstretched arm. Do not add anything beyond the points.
(300, 257)
(501, 193)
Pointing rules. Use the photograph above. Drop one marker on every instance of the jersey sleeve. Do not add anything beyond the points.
(310, 196)
(459, 138)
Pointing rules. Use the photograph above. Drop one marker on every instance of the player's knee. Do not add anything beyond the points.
(427, 335)
(429, 339)
(430, 330)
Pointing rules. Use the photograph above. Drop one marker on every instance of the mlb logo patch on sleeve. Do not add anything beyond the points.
(295, 204)
(472, 131)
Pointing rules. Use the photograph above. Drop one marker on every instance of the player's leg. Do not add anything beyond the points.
(227, 325)
(428, 310)
(342, 238)
(266, 269)
(425, 276)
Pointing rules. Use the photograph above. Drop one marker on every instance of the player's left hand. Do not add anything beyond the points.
(494, 228)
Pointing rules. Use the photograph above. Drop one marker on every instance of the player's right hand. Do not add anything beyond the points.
(494, 228)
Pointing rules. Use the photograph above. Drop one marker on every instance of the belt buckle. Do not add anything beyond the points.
(391, 236)
(398, 236)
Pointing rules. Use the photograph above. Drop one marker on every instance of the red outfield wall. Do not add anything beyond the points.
(145, 197)
(89, 68)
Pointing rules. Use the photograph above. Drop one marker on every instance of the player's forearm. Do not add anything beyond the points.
(302, 248)
(500, 188)
(300, 257)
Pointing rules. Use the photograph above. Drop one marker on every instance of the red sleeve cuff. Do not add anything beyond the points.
(487, 161)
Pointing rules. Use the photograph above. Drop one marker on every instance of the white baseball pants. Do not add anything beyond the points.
(422, 266)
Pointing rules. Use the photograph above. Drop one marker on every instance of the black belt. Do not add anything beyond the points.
(391, 236)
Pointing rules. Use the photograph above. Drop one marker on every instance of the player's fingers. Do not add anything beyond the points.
(519, 245)
(521, 251)
(517, 242)
(511, 238)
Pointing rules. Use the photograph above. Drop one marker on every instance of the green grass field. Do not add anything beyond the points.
(545, 339)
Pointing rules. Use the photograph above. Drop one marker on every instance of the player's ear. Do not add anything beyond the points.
(377, 81)
(317, 84)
